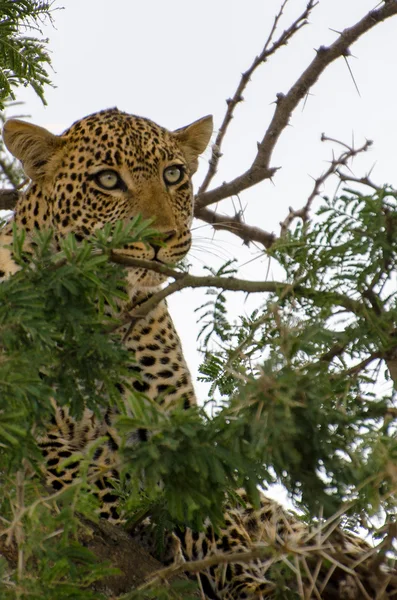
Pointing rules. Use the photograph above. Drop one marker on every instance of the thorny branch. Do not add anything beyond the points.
(286, 104)
(185, 280)
(271, 551)
(235, 225)
(249, 233)
(348, 178)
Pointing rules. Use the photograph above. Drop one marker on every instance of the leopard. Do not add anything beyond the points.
(112, 166)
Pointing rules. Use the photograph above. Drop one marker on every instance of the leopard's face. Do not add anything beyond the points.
(107, 167)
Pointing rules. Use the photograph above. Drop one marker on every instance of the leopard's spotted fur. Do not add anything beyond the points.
(66, 194)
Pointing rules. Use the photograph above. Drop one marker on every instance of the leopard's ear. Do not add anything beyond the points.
(34, 146)
(193, 140)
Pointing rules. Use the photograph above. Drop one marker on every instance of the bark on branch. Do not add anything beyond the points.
(8, 199)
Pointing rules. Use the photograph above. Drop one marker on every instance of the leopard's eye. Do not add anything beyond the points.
(108, 179)
(173, 174)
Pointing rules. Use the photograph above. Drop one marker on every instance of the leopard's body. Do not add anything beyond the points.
(111, 166)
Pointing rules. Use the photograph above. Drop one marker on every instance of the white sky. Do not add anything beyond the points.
(176, 61)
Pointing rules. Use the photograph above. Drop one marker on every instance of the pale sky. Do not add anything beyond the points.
(178, 60)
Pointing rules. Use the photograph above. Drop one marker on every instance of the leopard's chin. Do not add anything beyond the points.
(151, 279)
(145, 279)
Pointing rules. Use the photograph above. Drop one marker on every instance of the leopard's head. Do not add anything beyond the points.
(107, 167)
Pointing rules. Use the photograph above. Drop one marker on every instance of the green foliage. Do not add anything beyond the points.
(23, 58)
(66, 572)
(57, 341)
(213, 318)
(197, 459)
(53, 332)
(51, 562)
(299, 383)
(305, 370)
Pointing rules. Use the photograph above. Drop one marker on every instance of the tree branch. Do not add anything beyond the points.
(235, 225)
(348, 178)
(183, 280)
(286, 104)
(261, 551)
(255, 174)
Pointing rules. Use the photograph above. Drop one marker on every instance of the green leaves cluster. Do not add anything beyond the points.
(197, 459)
(308, 371)
(23, 57)
(58, 340)
(53, 329)
(62, 570)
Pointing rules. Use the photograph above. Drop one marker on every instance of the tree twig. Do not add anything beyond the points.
(347, 178)
(237, 97)
(258, 552)
(385, 546)
(235, 225)
(341, 160)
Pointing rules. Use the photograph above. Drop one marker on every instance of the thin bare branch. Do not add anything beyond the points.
(8, 171)
(255, 174)
(341, 160)
(363, 364)
(268, 49)
(347, 178)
